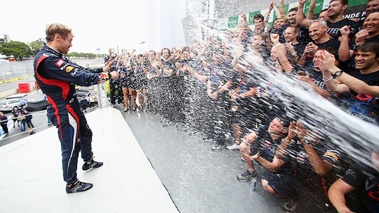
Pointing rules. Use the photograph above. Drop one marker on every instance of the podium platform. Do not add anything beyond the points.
(31, 174)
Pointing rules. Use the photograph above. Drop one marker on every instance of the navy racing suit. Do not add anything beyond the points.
(57, 77)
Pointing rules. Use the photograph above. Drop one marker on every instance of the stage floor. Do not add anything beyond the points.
(31, 175)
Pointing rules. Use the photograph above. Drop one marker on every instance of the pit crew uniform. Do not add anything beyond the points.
(57, 77)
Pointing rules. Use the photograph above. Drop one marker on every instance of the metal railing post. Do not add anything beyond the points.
(100, 102)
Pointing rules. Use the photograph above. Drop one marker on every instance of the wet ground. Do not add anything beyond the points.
(198, 179)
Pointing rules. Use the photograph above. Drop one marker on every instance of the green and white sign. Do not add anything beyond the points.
(233, 22)
(355, 10)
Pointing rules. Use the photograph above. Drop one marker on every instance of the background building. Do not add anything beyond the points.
(165, 24)
(4, 39)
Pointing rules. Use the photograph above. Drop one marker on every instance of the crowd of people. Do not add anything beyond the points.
(220, 88)
(21, 118)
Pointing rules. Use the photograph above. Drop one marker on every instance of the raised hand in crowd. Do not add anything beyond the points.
(243, 22)
(187, 69)
(290, 48)
(361, 36)
(279, 11)
(281, 151)
(328, 68)
(327, 61)
(344, 52)
(157, 64)
(303, 133)
(345, 30)
(271, 6)
(108, 64)
(303, 76)
(280, 52)
(212, 95)
(311, 48)
(274, 37)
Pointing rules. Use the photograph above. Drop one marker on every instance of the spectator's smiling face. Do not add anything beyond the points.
(273, 54)
(316, 31)
(292, 17)
(371, 23)
(166, 54)
(185, 54)
(141, 59)
(276, 24)
(365, 60)
(258, 23)
(289, 34)
(275, 127)
(372, 6)
(151, 55)
(335, 9)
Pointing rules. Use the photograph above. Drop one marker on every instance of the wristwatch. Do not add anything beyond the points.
(336, 74)
(306, 141)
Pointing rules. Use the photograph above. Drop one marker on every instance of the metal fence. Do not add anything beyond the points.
(14, 71)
